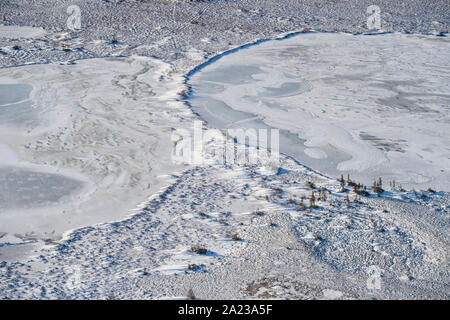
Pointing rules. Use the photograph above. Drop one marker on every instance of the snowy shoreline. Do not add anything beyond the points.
(370, 146)
(284, 251)
(148, 254)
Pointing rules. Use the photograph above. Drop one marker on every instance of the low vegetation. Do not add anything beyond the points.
(312, 201)
(310, 185)
(377, 186)
(235, 237)
(199, 250)
(190, 294)
(258, 213)
(194, 267)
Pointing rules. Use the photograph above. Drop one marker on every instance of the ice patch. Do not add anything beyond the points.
(92, 138)
(22, 188)
(19, 32)
(315, 153)
(7, 156)
(365, 105)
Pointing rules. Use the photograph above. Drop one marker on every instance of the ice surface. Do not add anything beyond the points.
(365, 105)
(20, 188)
(17, 32)
(83, 143)
(25, 188)
(14, 93)
(16, 109)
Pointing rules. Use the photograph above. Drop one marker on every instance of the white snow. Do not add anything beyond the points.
(107, 123)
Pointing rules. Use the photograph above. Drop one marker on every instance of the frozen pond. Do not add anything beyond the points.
(366, 105)
(27, 189)
(83, 143)
(20, 187)
(14, 93)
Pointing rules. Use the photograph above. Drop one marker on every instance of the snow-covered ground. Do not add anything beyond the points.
(284, 251)
(92, 141)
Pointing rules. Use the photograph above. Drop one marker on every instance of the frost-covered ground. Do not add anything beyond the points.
(97, 132)
(284, 251)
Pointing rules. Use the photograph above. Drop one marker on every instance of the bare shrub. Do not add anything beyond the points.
(378, 186)
(235, 237)
(193, 267)
(190, 294)
(199, 250)
(301, 206)
(310, 184)
(312, 201)
(258, 213)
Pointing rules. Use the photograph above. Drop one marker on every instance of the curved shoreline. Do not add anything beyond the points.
(139, 209)
(235, 114)
(189, 92)
(124, 248)
(68, 234)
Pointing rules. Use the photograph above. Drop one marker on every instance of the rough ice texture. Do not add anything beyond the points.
(100, 127)
(383, 100)
(285, 252)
